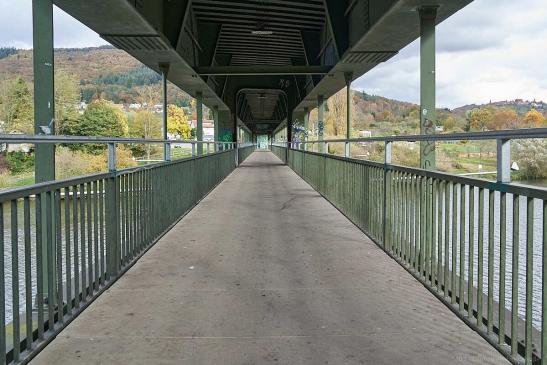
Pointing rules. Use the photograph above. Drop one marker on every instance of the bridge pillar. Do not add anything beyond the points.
(44, 123)
(199, 122)
(348, 76)
(306, 127)
(215, 121)
(44, 92)
(428, 15)
(320, 122)
(166, 147)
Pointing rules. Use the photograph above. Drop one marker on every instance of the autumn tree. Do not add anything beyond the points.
(148, 126)
(335, 123)
(67, 97)
(479, 119)
(505, 119)
(533, 119)
(101, 118)
(16, 106)
(177, 122)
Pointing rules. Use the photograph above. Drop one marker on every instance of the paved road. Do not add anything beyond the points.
(265, 271)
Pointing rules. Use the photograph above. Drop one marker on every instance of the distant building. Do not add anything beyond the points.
(135, 106)
(365, 134)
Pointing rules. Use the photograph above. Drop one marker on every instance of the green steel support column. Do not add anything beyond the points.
(348, 76)
(44, 115)
(199, 122)
(427, 84)
(320, 122)
(306, 126)
(166, 147)
(215, 120)
(44, 101)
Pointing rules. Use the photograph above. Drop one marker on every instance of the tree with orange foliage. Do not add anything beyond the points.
(533, 119)
(504, 119)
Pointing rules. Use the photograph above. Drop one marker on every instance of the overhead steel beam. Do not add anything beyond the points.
(262, 70)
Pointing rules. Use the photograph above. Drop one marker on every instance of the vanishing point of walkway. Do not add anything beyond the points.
(266, 271)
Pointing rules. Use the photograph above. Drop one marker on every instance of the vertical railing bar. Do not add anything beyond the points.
(89, 222)
(480, 259)
(471, 235)
(439, 225)
(490, 306)
(75, 228)
(39, 266)
(101, 197)
(462, 247)
(503, 255)
(28, 274)
(95, 200)
(515, 275)
(50, 262)
(83, 241)
(15, 281)
(434, 244)
(544, 288)
(454, 241)
(59, 253)
(68, 253)
(529, 279)
(447, 273)
(2, 292)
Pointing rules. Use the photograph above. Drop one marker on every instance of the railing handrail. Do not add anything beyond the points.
(42, 138)
(506, 134)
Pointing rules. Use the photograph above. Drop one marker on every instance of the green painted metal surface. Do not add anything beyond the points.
(44, 100)
(427, 222)
(427, 85)
(199, 122)
(96, 227)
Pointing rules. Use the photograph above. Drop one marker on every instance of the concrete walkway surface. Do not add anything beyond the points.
(266, 271)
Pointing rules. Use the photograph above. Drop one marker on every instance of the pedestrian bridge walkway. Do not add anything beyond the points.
(265, 271)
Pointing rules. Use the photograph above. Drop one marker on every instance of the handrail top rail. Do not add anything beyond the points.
(39, 138)
(506, 134)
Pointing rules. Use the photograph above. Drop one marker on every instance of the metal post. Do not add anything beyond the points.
(193, 149)
(428, 15)
(166, 151)
(44, 92)
(320, 121)
(388, 152)
(504, 161)
(215, 121)
(199, 122)
(44, 115)
(208, 148)
(112, 218)
(348, 76)
(111, 157)
(306, 126)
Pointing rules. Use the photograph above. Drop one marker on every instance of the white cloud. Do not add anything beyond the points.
(490, 50)
(16, 27)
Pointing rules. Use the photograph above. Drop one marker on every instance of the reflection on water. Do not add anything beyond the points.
(21, 258)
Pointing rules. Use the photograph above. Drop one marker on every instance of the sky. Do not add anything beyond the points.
(491, 50)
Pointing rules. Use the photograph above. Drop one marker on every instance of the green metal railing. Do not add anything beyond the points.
(479, 246)
(244, 151)
(64, 242)
(280, 152)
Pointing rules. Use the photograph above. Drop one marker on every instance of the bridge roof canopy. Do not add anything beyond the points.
(260, 59)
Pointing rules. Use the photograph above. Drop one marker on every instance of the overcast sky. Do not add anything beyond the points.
(491, 50)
